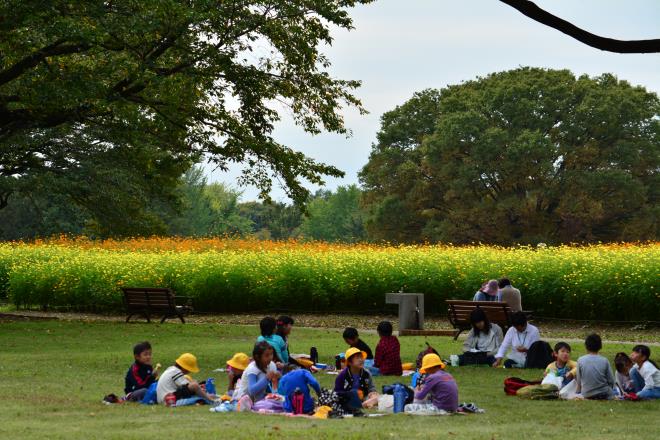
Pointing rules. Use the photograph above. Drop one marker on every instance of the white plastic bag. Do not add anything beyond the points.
(569, 392)
(386, 403)
(552, 379)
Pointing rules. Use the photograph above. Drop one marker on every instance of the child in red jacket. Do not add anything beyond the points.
(387, 361)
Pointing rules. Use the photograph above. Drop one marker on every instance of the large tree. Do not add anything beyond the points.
(531, 155)
(335, 216)
(207, 78)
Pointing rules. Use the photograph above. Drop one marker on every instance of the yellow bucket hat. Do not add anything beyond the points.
(352, 352)
(239, 361)
(431, 360)
(189, 362)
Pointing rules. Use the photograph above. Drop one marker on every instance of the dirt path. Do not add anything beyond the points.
(570, 331)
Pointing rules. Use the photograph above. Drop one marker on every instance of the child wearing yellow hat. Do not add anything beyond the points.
(235, 367)
(175, 381)
(354, 384)
(439, 385)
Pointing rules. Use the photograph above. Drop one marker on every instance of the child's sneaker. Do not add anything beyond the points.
(111, 399)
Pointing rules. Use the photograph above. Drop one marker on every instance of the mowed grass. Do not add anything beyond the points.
(54, 374)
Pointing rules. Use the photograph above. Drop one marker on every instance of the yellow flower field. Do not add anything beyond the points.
(605, 282)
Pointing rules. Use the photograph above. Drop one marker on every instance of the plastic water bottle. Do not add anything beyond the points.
(210, 386)
(298, 402)
(400, 396)
(314, 355)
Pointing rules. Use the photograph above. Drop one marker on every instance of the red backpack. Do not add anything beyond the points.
(513, 384)
(427, 350)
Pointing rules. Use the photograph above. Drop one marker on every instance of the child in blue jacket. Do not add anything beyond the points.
(298, 380)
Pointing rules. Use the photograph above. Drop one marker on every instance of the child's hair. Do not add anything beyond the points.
(560, 345)
(141, 347)
(385, 328)
(621, 361)
(288, 368)
(259, 349)
(281, 322)
(267, 326)
(503, 282)
(350, 333)
(518, 319)
(645, 351)
(479, 315)
(593, 343)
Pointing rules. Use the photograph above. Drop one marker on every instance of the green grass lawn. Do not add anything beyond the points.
(53, 375)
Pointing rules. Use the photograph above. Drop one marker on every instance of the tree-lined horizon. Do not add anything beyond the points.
(523, 156)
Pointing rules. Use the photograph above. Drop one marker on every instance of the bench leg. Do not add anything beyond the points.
(129, 317)
(457, 334)
(146, 315)
(183, 321)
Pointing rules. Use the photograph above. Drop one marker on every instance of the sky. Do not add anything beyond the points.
(399, 47)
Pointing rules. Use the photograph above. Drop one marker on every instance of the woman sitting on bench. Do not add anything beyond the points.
(488, 291)
(482, 342)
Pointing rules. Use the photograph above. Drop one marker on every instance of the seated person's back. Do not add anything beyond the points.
(595, 379)
(388, 352)
(510, 295)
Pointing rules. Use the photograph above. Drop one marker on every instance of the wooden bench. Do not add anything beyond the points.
(459, 314)
(147, 300)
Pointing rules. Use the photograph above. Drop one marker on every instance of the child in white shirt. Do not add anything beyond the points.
(645, 373)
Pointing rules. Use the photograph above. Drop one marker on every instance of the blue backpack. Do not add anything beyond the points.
(150, 398)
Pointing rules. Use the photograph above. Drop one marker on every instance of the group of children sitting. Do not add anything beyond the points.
(637, 376)
(273, 381)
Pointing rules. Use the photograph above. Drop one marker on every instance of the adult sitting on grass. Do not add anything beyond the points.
(355, 385)
(519, 338)
(175, 381)
(482, 342)
(488, 291)
(509, 295)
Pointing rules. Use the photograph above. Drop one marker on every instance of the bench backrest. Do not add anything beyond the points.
(459, 312)
(151, 298)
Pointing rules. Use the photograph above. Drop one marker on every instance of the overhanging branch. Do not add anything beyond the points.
(530, 9)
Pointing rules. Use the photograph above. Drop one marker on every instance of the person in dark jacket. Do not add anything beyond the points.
(354, 384)
(141, 374)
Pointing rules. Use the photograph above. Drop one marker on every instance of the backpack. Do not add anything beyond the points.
(410, 392)
(539, 355)
(420, 356)
(513, 384)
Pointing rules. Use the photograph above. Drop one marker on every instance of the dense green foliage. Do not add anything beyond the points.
(524, 156)
(158, 84)
(335, 216)
(597, 282)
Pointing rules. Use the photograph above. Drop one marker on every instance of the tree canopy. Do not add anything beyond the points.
(524, 156)
(190, 80)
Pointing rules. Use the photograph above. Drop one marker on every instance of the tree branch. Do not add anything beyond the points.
(57, 48)
(530, 9)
